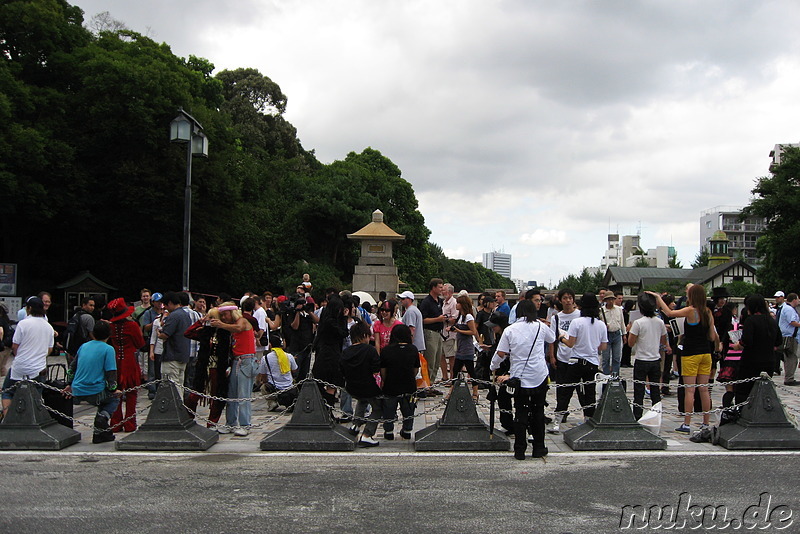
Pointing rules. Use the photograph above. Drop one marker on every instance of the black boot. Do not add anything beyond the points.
(102, 433)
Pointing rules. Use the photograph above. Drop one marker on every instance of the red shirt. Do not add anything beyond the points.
(244, 342)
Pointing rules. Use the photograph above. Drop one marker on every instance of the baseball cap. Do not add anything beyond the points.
(406, 295)
(779, 294)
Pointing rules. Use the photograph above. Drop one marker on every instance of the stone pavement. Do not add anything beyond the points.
(264, 421)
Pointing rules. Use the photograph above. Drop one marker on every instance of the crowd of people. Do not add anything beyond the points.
(371, 359)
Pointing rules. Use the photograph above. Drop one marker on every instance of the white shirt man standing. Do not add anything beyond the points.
(33, 339)
(449, 343)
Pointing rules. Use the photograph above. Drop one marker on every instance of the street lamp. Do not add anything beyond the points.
(185, 129)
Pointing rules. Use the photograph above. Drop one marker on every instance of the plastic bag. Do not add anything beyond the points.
(651, 419)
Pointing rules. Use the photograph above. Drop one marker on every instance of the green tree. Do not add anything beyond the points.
(742, 289)
(775, 198)
(701, 259)
(673, 287)
(584, 282)
(464, 274)
(674, 263)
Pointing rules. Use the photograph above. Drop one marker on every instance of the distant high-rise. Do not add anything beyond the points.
(498, 262)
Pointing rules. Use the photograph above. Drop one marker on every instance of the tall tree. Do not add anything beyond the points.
(701, 259)
(776, 198)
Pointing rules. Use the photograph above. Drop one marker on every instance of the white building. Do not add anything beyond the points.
(742, 235)
(776, 153)
(498, 262)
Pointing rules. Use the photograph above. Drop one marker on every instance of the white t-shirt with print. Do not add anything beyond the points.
(561, 321)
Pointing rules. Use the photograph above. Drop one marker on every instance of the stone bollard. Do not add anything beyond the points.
(310, 428)
(762, 423)
(460, 428)
(169, 426)
(613, 427)
(28, 424)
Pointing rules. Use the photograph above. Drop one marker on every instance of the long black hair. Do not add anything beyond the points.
(590, 307)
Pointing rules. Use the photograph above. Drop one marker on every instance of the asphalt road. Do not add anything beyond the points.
(382, 493)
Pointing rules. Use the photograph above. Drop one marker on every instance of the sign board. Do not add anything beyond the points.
(8, 279)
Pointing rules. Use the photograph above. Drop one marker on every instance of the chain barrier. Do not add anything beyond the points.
(682, 414)
(599, 379)
(217, 425)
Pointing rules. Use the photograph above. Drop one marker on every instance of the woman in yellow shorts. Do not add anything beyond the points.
(699, 334)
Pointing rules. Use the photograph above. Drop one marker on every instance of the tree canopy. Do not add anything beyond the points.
(583, 282)
(776, 198)
(91, 182)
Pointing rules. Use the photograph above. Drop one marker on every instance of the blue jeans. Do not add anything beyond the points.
(346, 402)
(7, 383)
(240, 386)
(612, 356)
(108, 404)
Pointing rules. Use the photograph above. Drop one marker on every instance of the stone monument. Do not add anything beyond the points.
(376, 270)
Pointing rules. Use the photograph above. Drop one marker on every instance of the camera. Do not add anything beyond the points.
(513, 383)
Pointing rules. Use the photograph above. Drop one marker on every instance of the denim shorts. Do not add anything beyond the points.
(8, 394)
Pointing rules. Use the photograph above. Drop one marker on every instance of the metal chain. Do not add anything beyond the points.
(232, 428)
(94, 428)
(726, 383)
(554, 413)
(433, 408)
(684, 414)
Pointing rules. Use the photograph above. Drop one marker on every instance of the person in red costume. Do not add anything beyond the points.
(126, 338)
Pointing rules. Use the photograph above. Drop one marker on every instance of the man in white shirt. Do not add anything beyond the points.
(33, 339)
(612, 315)
(524, 342)
(449, 344)
(648, 334)
(561, 356)
(412, 318)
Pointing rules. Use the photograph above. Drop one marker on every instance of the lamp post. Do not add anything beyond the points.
(185, 129)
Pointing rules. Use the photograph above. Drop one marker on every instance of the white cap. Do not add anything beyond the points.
(779, 294)
(406, 295)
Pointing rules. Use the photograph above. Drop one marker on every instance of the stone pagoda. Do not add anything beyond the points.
(376, 270)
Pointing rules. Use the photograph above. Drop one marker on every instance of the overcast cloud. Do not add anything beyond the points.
(524, 126)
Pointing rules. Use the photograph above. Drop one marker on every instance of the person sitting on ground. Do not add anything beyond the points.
(360, 364)
(92, 377)
(275, 373)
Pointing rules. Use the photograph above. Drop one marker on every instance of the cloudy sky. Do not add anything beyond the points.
(528, 127)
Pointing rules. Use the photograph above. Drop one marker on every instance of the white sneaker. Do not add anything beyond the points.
(555, 428)
(368, 441)
(223, 429)
(241, 431)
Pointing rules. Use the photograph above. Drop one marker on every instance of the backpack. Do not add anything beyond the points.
(8, 334)
(74, 336)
